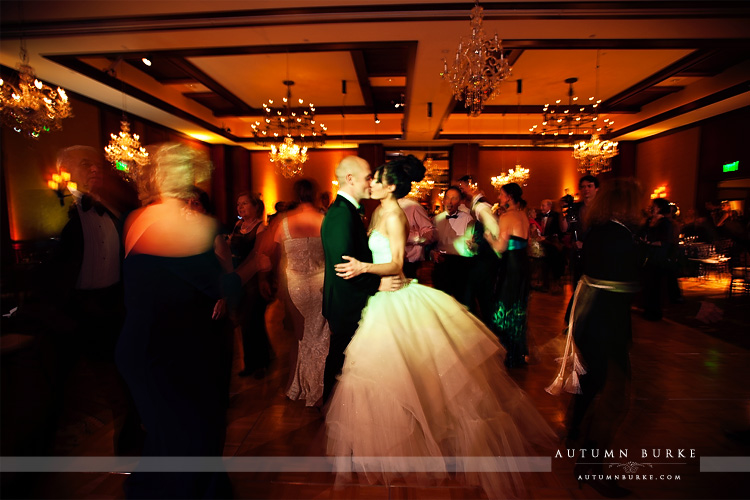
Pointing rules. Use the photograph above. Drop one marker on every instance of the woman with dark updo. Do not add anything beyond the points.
(422, 379)
(513, 280)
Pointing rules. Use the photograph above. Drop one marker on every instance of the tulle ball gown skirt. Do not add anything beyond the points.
(424, 382)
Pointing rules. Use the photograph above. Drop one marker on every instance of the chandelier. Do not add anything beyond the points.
(479, 67)
(289, 131)
(424, 187)
(519, 175)
(124, 151)
(594, 155)
(32, 107)
(562, 121)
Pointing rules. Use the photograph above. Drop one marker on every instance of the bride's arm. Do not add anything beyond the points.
(397, 233)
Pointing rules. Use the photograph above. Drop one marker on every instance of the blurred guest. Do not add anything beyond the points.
(280, 207)
(513, 282)
(574, 224)
(451, 254)
(601, 330)
(171, 352)
(89, 260)
(553, 262)
(324, 201)
(484, 264)
(536, 251)
(660, 238)
(251, 313)
(421, 234)
(302, 271)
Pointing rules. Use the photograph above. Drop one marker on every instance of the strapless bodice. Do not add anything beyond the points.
(380, 247)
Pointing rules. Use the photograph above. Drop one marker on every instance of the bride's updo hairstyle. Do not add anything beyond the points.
(401, 172)
(515, 192)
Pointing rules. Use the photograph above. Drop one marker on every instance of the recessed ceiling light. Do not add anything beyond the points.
(146, 61)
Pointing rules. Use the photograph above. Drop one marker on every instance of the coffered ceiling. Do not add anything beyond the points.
(661, 64)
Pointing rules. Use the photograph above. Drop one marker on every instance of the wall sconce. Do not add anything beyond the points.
(660, 192)
(59, 183)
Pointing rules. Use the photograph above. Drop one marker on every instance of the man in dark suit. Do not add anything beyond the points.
(553, 263)
(343, 233)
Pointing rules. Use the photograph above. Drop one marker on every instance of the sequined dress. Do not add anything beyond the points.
(305, 264)
(423, 385)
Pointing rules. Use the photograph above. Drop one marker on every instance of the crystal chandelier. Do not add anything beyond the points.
(560, 122)
(479, 67)
(424, 187)
(519, 175)
(124, 151)
(32, 107)
(297, 127)
(594, 155)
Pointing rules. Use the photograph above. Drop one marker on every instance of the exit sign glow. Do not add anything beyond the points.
(731, 167)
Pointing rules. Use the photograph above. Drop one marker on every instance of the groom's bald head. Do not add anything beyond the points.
(353, 174)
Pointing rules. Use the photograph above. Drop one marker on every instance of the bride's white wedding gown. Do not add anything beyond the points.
(424, 379)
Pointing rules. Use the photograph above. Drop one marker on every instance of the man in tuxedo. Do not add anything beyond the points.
(344, 233)
(89, 281)
(451, 254)
(553, 263)
(484, 267)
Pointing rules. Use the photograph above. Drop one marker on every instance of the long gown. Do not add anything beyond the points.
(173, 357)
(305, 266)
(513, 285)
(423, 379)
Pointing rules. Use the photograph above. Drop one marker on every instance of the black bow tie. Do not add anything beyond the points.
(88, 202)
(545, 215)
(454, 216)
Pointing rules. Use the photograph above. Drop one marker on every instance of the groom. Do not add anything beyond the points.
(343, 233)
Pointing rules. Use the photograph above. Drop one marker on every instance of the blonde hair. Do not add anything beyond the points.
(172, 172)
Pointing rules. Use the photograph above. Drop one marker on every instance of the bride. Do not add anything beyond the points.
(423, 386)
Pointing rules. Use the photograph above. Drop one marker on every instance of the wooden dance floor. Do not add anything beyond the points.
(690, 391)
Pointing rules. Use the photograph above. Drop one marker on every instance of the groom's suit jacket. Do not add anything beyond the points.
(343, 233)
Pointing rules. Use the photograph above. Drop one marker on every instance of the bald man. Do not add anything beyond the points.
(343, 233)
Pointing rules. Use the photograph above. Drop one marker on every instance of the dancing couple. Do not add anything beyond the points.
(421, 379)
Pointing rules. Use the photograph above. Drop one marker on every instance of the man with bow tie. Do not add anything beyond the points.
(89, 260)
(451, 254)
(553, 263)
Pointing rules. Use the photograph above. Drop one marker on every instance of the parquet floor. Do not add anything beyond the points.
(688, 389)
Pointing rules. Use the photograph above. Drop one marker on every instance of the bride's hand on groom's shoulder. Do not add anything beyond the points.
(351, 268)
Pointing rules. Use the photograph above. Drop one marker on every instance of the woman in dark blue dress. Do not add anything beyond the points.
(172, 352)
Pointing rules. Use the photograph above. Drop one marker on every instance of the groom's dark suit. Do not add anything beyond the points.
(343, 233)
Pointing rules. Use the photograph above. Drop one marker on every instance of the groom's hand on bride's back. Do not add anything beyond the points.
(390, 283)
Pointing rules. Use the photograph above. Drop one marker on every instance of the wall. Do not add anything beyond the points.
(320, 167)
(550, 173)
(34, 211)
(670, 160)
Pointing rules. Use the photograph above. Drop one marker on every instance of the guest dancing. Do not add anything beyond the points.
(251, 313)
(660, 238)
(514, 280)
(171, 352)
(422, 378)
(301, 286)
(601, 329)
